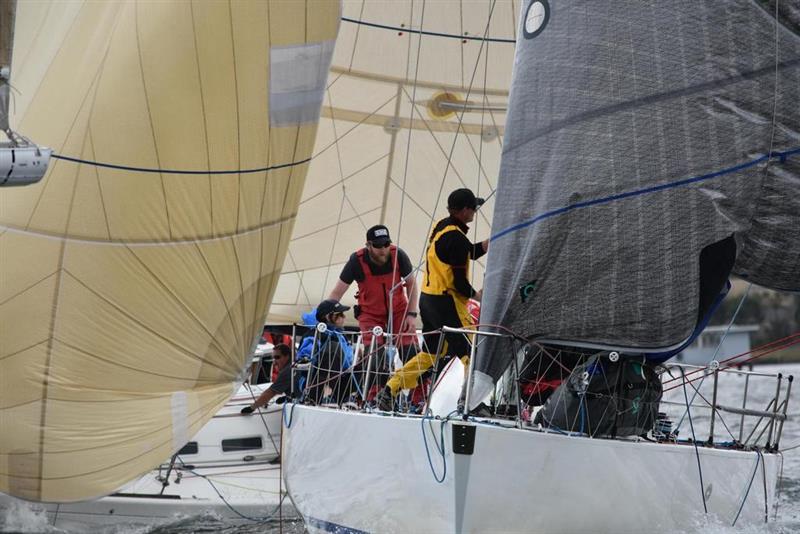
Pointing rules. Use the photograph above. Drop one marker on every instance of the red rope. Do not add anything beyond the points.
(767, 348)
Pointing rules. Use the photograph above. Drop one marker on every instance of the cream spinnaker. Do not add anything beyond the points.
(136, 276)
(378, 162)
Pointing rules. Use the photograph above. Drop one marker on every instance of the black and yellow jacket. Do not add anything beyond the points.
(447, 260)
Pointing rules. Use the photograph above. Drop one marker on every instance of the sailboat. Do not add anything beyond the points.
(650, 153)
(137, 272)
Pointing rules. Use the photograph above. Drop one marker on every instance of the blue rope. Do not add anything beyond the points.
(747, 492)
(782, 157)
(291, 413)
(358, 387)
(175, 171)
(694, 441)
(439, 447)
(433, 34)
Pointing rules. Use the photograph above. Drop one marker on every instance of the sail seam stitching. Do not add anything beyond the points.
(136, 320)
(145, 243)
(150, 114)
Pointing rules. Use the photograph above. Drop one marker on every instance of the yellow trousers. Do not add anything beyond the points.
(407, 376)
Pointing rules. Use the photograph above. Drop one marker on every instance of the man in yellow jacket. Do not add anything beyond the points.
(445, 290)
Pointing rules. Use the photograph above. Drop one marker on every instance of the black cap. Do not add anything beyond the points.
(329, 306)
(463, 198)
(379, 235)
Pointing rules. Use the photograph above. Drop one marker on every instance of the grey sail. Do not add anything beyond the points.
(651, 149)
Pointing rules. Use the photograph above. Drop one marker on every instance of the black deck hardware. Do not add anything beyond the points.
(146, 495)
(463, 439)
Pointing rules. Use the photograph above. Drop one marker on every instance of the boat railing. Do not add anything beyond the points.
(765, 422)
(760, 421)
(759, 425)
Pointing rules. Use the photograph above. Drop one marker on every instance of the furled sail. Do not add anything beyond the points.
(651, 149)
(376, 160)
(7, 10)
(136, 276)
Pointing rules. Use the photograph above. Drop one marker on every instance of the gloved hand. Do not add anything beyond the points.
(281, 400)
(247, 410)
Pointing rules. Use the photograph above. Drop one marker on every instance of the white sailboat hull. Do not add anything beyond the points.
(231, 485)
(380, 479)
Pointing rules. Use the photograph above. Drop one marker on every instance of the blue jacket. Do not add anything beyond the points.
(332, 335)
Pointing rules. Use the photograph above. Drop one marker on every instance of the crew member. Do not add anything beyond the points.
(330, 357)
(445, 291)
(281, 358)
(385, 280)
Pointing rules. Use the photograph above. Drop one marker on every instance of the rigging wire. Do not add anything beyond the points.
(261, 414)
(759, 460)
(716, 351)
(694, 442)
(390, 308)
(458, 130)
(263, 519)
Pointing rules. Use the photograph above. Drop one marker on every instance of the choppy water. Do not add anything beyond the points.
(23, 519)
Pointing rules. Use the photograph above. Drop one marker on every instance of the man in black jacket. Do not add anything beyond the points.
(445, 291)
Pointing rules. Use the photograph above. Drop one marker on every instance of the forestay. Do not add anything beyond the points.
(136, 275)
(414, 108)
(650, 146)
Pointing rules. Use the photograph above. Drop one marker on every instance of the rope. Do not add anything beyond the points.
(176, 171)
(696, 450)
(288, 423)
(439, 446)
(390, 310)
(432, 34)
(782, 156)
(263, 420)
(714, 357)
(457, 132)
(263, 519)
(774, 346)
(749, 485)
(716, 351)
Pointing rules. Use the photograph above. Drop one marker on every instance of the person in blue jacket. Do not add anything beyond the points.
(330, 356)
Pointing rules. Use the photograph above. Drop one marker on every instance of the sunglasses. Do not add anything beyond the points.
(385, 245)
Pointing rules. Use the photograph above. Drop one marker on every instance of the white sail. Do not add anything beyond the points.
(135, 277)
(375, 160)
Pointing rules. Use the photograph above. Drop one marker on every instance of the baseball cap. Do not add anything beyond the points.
(378, 235)
(329, 306)
(463, 198)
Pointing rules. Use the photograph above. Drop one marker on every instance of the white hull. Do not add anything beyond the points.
(246, 480)
(379, 479)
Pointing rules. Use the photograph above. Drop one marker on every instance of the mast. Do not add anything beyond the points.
(22, 162)
(8, 9)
